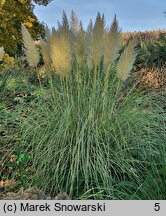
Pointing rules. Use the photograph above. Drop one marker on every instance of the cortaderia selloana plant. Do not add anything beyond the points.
(92, 139)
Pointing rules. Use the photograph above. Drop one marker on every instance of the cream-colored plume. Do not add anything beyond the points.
(31, 50)
(2, 52)
(60, 54)
(45, 49)
(127, 60)
(112, 43)
(98, 39)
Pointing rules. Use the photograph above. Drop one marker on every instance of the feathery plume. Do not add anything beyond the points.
(98, 39)
(45, 48)
(45, 51)
(112, 43)
(74, 24)
(2, 52)
(80, 44)
(31, 51)
(65, 23)
(60, 54)
(88, 44)
(127, 59)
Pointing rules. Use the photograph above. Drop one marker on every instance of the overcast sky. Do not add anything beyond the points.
(133, 15)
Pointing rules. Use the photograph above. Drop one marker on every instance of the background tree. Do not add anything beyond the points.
(42, 2)
(12, 14)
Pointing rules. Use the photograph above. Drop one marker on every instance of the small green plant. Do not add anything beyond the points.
(15, 164)
(22, 163)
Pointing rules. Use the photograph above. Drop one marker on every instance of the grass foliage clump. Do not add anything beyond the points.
(93, 141)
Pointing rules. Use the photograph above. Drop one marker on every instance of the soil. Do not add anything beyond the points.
(32, 194)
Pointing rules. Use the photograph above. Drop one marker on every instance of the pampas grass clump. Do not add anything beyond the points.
(90, 139)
